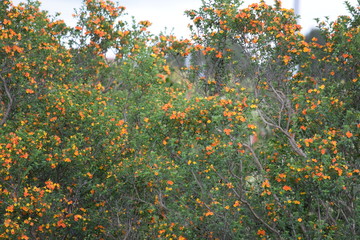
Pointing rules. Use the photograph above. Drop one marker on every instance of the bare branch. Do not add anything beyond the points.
(256, 159)
(289, 136)
(10, 103)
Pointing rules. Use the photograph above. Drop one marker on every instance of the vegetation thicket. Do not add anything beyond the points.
(243, 131)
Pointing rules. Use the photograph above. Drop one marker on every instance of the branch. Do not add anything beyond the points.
(260, 219)
(198, 182)
(256, 159)
(254, 214)
(10, 103)
(289, 136)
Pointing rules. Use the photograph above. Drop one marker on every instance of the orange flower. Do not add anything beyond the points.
(261, 232)
(241, 15)
(99, 33)
(61, 223)
(227, 131)
(89, 175)
(50, 185)
(24, 237)
(197, 19)
(7, 222)
(29, 91)
(219, 55)
(166, 106)
(349, 134)
(265, 184)
(96, 21)
(209, 213)
(120, 122)
(308, 140)
(167, 69)
(53, 119)
(170, 182)
(18, 49)
(286, 59)
(10, 208)
(282, 175)
(306, 49)
(287, 188)
(77, 217)
(236, 204)
(7, 22)
(145, 23)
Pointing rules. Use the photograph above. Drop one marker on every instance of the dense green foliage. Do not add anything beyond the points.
(258, 138)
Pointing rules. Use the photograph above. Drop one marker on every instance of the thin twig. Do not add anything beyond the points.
(256, 159)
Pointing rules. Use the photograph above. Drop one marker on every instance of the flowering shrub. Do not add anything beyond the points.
(259, 139)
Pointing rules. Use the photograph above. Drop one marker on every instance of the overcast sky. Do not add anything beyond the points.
(170, 13)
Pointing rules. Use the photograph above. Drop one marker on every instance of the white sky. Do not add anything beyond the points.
(170, 13)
